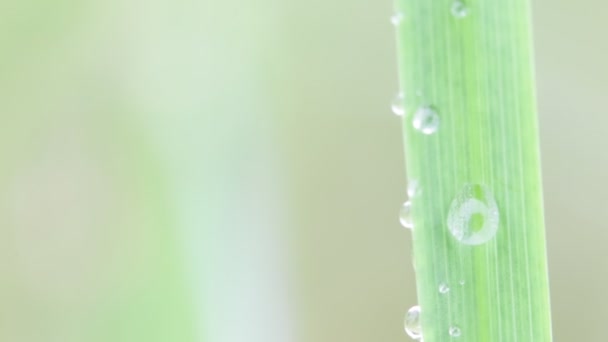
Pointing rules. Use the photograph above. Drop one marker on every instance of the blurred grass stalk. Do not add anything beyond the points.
(140, 199)
(471, 141)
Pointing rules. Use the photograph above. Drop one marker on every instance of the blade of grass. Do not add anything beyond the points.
(469, 67)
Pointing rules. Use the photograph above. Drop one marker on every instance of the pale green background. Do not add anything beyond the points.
(230, 171)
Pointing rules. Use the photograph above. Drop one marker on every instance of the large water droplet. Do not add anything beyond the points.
(459, 9)
(397, 18)
(444, 288)
(405, 215)
(473, 217)
(426, 120)
(455, 331)
(397, 106)
(411, 323)
(413, 188)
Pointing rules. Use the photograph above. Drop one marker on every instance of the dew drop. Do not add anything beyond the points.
(461, 283)
(459, 9)
(426, 120)
(455, 331)
(444, 288)
(411, 323)
(473, 216)
(397, 106)
(405, 215)
(397, 18)
(413, 188)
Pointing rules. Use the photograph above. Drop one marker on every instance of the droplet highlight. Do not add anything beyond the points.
(411, 323)
(405, 215)
(426, 120)
(413, 188)
(397, 106)
(444, 288)
(455, 331)
(459, 9)
(397, 18)
(473, 217)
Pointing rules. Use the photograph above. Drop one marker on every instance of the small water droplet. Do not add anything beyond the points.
(413, 188)
(397, 106)
(405, 215)
(426, 120)
(444, 288)
(459, 9)
(461, 283)
(455, 331)
(397, 18)
(473, 216)
(411, 323)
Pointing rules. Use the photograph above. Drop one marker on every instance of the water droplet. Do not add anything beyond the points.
(397, 106)
(411, 323)
(413, 188)
(455, 331)
(473, 217)
(397, 18)
(444, 288)
(459, 9)
(461, 283)
(405, 215)
(426, 120)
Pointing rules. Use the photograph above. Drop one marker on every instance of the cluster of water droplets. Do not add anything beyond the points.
(425, 119)
(473, 215)
(411, 322)
(459, 9)
(472, 220)
(405, 213)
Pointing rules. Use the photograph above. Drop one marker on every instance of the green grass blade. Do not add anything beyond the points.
(471, 65)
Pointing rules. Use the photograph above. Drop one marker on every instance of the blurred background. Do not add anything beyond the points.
(222, 172)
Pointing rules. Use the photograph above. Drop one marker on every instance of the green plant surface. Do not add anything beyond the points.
(471, 144)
